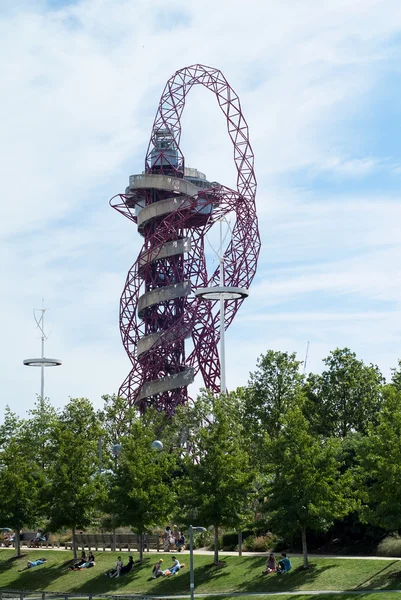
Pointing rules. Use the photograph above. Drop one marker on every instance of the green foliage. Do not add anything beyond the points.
(282, 453)
(272, 390)
(218, 476)
(259, 543)
(380, 466)
(38, 429)
(9, 428)
(141, 494)
(306, 489)
(390, 546)
(346, 397)
(72, 487)
(20, 482)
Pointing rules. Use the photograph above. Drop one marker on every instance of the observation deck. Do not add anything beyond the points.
(177, 205)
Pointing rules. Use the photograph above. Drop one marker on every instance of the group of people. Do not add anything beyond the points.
(277, 566)
(35, 542)
(159, 572)
(38, 539)
(85, 562)
(120, 568)
(171, 540)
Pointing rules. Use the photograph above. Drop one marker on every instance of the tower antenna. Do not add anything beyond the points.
(306, 358)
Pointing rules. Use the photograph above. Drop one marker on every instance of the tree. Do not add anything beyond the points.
(217, 480)
(306, 488)
(271, 390)
(10, 427)
(380, 466)
(141, 494)
(73, 484)
(345, 397)
(37, 430)
(21, 479)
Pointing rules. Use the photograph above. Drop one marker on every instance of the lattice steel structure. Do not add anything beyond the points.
(174, 208)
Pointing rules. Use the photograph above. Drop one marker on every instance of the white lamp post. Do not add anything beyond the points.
(191, 558)
(42, 362)
(222, 293)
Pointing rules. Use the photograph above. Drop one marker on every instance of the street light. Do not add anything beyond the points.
(223, 293)
(191, 558)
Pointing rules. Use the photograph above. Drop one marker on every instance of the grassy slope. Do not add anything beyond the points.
(240, 574)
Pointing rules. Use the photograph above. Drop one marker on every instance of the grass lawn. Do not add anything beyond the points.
(239, 574)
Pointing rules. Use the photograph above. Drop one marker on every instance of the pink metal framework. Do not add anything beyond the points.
(157, 310)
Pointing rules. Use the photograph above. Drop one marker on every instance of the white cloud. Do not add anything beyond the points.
(80, 87)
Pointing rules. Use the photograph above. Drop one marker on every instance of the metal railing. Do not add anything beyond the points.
(8, 594)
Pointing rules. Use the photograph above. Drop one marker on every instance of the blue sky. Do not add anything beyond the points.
(319, 84)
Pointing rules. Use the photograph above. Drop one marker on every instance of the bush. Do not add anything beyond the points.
(260, 543)
(390, 546)
(230, 540)
(202, 540)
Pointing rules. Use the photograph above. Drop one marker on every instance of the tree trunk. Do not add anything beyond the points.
(140, 547)
(240, 543)
(17, 542)
(114, 540)
(74, 545)
(304, 548)
(216, 544)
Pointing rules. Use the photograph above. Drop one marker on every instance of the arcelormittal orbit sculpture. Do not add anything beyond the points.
(174, 208)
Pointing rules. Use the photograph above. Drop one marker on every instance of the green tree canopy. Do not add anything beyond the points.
(72, 483)
(346, 396)
(271, 391)
(305, 489)
(218, 479)
(21, 480)
(141, 492)
(380, 466)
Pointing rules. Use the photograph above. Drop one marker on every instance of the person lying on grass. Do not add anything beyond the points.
(271, 565)
(34, 563)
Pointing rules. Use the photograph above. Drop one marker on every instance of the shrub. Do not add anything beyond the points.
(260, 543)
(390, 546)
(230, 540)
(202, 540)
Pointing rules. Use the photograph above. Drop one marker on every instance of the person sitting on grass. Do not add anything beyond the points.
(157, 569)
(88, 564)
(284, 564)
(117, 569)
(128, 567)
(80, 562)
(271, 565)
(35, 563)
(174, 568)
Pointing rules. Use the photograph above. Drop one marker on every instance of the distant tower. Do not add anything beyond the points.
(174, 208)
(42, 362)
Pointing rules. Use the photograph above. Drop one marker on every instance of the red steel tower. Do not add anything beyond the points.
(174, 208)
